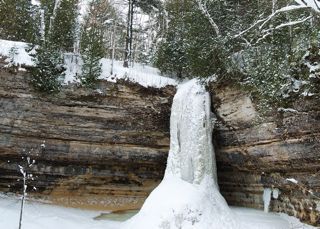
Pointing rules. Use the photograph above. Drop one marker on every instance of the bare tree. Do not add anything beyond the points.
(24, 169)
(128, 48)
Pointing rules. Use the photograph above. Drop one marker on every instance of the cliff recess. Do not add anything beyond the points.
(277, 150)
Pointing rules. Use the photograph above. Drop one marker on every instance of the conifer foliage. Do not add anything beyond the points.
(92, 52)
(64, 25)
(92, 40)
(59, 36)
(48, 68)
(17, 20)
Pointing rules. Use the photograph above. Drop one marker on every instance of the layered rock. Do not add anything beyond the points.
(108, 148)
(104, 148)
(279, 150)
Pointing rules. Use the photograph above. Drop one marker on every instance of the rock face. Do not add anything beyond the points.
(103, 148)
(279, 150)
(108, 148)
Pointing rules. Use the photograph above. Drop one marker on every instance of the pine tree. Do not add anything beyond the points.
(92, 43)
(48, 68)
(258, 44)
(187, 48)
(16, 20)
(64, 25)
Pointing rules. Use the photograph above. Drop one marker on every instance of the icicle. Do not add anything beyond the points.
(275, 193)
(266, 199)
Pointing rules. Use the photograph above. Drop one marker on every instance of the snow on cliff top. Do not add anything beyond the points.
(142, 74)
(21, 57)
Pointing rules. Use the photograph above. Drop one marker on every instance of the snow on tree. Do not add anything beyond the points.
(48, 69)
(17, 20)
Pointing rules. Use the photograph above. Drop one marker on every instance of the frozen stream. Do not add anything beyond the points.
(188, 196)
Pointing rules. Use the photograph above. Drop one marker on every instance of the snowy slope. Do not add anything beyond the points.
(142, 74)
(22, 57)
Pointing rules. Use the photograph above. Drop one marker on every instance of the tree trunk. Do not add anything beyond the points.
(22, 200)
(127, 52)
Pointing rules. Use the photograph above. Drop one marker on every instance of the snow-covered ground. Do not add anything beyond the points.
(44, 216)
(142, 74)
(21, 56)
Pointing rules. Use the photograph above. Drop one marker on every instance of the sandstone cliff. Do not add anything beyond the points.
(103, 148)
(107, 148)
(273, 150)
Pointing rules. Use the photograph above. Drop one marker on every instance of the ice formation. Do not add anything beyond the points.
(266, 198)
(188, 196)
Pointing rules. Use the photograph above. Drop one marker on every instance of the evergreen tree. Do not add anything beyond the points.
(60, 22)
(48, 68)
(187, 48)
(16, 20)
(92, 43)
(64, 25)
(257, 44)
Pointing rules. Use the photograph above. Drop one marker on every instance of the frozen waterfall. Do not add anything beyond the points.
(188, 196)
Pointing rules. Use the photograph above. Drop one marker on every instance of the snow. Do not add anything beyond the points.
(39, 216)
(314, 4)
(142, 74)
(275, 193)
(292, 180)
(21, 58)
(35, 2)
(287, 110)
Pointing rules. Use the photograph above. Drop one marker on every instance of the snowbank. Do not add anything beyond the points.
(142, 74)
(43, 216)
(21, 57)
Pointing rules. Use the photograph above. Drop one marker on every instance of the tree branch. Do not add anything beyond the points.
(269, 31)
(204, 10)
(264, 21)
